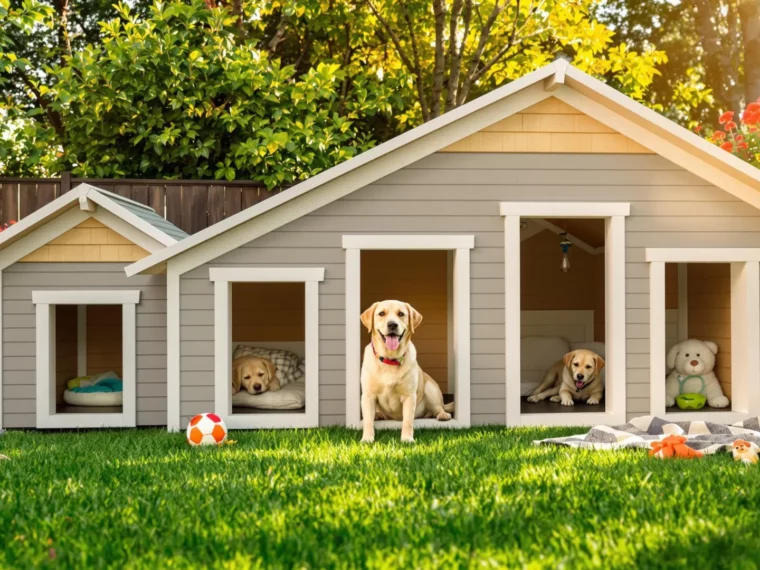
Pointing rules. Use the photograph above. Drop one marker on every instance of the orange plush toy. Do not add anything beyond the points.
(673, 446)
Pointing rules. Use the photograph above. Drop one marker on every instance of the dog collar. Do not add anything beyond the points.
(388, 361)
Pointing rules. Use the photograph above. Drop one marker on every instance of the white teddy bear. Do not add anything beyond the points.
(696, 359)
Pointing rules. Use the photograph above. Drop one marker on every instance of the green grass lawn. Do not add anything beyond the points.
(317, 498)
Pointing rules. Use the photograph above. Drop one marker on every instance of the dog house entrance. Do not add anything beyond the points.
(268, 341)
(88, 359)
(423, 279)
(562, 302)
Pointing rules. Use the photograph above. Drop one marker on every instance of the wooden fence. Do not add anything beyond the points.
(189, 204)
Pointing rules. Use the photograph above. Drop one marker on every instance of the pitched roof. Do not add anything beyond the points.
(88, 198)
(557, 79)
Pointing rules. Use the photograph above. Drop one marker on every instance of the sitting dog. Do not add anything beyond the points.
(257, 375)
(393, 384)
(576, 377)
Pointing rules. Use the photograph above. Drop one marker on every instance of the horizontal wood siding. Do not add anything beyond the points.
(19, 351)
(460, 193)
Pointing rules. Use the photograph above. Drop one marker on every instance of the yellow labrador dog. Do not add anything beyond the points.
(257, 375)
(576, 377)
(393, 384)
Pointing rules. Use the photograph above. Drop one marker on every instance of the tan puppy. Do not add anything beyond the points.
(576, 377)
(393, 384)
(257, 375)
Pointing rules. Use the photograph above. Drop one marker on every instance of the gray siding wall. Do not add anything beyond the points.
(19, 351)
(460, 193)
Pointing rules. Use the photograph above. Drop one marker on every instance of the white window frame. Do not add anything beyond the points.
(745, 328)
(45, 303)
(460, 245)
(223, 277)
(614, 214)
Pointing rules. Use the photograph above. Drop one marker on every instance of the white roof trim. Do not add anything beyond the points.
(86, 198)
(558, 78)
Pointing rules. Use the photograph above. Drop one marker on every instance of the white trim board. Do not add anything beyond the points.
(702, 254)
(745, 338)
(460, 245)
(615, 333)
(223, 279)
(46, 415)
(91, 297)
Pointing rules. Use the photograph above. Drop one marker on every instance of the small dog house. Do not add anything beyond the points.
(83, 345)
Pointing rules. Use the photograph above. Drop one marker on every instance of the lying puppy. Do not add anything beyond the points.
(576, 377)
(257, 375)
(393, 384)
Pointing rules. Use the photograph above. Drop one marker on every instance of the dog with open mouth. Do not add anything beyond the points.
(576, 377)
(393, 384)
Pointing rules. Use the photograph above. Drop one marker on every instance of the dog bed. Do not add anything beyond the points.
(290, 397)
(93, 398)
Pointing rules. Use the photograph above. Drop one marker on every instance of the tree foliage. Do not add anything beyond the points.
(271, 90)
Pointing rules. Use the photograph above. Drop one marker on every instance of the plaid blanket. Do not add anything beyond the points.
(706, 437)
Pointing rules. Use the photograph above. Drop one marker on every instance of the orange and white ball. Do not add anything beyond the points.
(206, 429)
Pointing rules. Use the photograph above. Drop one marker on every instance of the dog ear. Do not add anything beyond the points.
(711, 345)
(599, 363)
(236, 376)
(568, 359)
(274, 383)
(671, 360)
(368, 317)
(415, 318)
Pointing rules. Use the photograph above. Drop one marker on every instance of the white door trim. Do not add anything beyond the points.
(460, 245)
(614, 214)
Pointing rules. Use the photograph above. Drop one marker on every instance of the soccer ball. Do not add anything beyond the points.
(206, 429)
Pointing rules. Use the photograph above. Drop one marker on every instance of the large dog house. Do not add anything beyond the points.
(71, 317)
(468, 218)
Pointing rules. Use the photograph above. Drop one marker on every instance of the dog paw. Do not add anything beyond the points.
(443, 416)
(532, 399)
(670, 402)
(368, 439)
(720, 402)
(555, 399)
(407, 439)
(592, 401)
(568, 403)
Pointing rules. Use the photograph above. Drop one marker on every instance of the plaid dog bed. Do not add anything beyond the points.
(706, 437)
(289, 366)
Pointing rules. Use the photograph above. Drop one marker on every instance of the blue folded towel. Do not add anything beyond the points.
(107, 385)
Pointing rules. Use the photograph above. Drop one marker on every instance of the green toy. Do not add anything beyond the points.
(691, 401)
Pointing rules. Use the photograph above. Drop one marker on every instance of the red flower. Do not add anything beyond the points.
(725, 117)
(743, 145)
(751, 117)
(739, 138)
(728, 145)
(752, 107)
(698, 129)
(718, 135)
(730, 126)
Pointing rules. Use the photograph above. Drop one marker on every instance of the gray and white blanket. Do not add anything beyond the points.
(706, 437)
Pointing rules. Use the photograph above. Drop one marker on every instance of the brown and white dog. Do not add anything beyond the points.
(256, 375)
(576, 377)
(393, 384)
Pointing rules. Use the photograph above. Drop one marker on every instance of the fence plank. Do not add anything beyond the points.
(123, 190)
(250, 196)
(215, 204)
(156, 198)
(140, 193)
(174, 205)
(10, 202)
(233, 200)
(194, 199)
(27, 199)
(46, 193)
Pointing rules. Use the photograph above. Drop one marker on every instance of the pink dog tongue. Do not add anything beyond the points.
(391, 342)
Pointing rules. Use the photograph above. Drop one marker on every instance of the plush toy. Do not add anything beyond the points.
(691, 363)
(745, 451)
(673, 446)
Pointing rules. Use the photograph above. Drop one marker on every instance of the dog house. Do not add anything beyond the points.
(82, 345)
(466, 218)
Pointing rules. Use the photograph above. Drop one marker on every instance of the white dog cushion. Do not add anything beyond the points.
(93, 398)
(286, 363)
(290, 397)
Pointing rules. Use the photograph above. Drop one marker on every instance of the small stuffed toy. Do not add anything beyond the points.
(744, 451)
(673, 446)
(691, 363)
